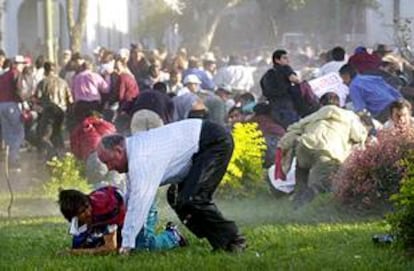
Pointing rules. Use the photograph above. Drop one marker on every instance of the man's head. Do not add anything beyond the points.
(224, 91)
(75, 203)
(347, 73)
(235, 115)
(400, 114)
(161, 87)
(338, 54)
(19, 62)
(2, 58)
(154, 70)
(175, 77)
(66, 56)
(329, 98)
(280, 57)
(390, 63)
(49, 67)
(192, 82)
(194, 63)
(112, 152)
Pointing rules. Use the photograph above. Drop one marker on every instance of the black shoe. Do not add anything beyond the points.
(182, 241)
(238, 245)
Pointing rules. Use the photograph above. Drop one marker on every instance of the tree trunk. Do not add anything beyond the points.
(207, 37)
(76, 27)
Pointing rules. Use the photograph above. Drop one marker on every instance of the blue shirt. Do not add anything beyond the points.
(371, 93)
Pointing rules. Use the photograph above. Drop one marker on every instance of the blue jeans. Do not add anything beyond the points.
(12, 128)
(148, 240)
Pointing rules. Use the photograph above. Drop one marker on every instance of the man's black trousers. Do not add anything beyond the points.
(192, 200)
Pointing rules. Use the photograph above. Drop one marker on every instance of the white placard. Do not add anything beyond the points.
(330, 82)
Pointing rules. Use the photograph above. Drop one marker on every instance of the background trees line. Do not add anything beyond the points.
(201, 20)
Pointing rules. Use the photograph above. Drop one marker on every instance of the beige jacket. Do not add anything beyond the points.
(331, 130)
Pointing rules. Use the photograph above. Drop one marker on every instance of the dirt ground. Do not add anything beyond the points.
(32, 175)
(26, 185)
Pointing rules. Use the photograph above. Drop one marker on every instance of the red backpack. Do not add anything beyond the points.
(85, 138)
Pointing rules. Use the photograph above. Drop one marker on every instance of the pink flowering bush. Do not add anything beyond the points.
(371, 175)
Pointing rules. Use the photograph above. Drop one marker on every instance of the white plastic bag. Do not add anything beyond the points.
(286, 186)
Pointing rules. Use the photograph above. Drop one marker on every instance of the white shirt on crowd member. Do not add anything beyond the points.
(332, 66)
(154, 158)
(239, 77)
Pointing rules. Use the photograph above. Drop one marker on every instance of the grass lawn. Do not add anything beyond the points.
(317, 237)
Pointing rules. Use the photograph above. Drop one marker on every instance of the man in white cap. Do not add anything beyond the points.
(191, 85)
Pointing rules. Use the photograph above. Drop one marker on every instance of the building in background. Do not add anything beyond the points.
(109, 23)
(380, 22)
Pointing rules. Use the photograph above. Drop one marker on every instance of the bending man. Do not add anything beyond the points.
(192, 155)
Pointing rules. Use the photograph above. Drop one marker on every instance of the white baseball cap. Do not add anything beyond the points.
(19, 59)
(191, 79)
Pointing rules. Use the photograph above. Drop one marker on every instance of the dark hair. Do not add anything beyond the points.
(348, 69)
(194, 62)
(235, 60)
(88, 62)
(49, 67)
(108, 142)
(262, 109)
(246, 98)
(7, 63)
(71, 203)
(399, 105)
(40, 61)
(278, 54)
(338, 53)
(161, 87)
(329, 98)
(234, 109)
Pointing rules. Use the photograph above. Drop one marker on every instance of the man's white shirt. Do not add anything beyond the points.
(154, 158)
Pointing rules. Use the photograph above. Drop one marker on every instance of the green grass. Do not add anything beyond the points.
(319, 237)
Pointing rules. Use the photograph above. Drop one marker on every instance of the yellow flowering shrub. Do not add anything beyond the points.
(66, 173)
(245, 173)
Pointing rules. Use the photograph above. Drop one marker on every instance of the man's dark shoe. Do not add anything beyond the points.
(238, 245)
(182, 241)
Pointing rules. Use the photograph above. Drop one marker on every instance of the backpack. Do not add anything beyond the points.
(273, 84)
(304, 100)
(84, 139)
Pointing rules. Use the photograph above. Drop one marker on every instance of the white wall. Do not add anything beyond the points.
(109, 23)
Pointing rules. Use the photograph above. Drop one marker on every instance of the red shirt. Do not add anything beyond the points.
(108, 207)
(364, 61)
(8, 86)
(127, 88)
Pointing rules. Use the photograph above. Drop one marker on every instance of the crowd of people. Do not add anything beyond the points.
(135, 91)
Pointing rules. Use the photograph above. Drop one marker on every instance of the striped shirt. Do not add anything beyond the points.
(154, 158)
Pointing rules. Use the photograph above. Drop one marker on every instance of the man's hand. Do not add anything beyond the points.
(125, 251)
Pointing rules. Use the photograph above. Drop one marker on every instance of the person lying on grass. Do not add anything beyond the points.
(97, 219)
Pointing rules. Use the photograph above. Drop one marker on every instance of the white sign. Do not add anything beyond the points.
(330, 82)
